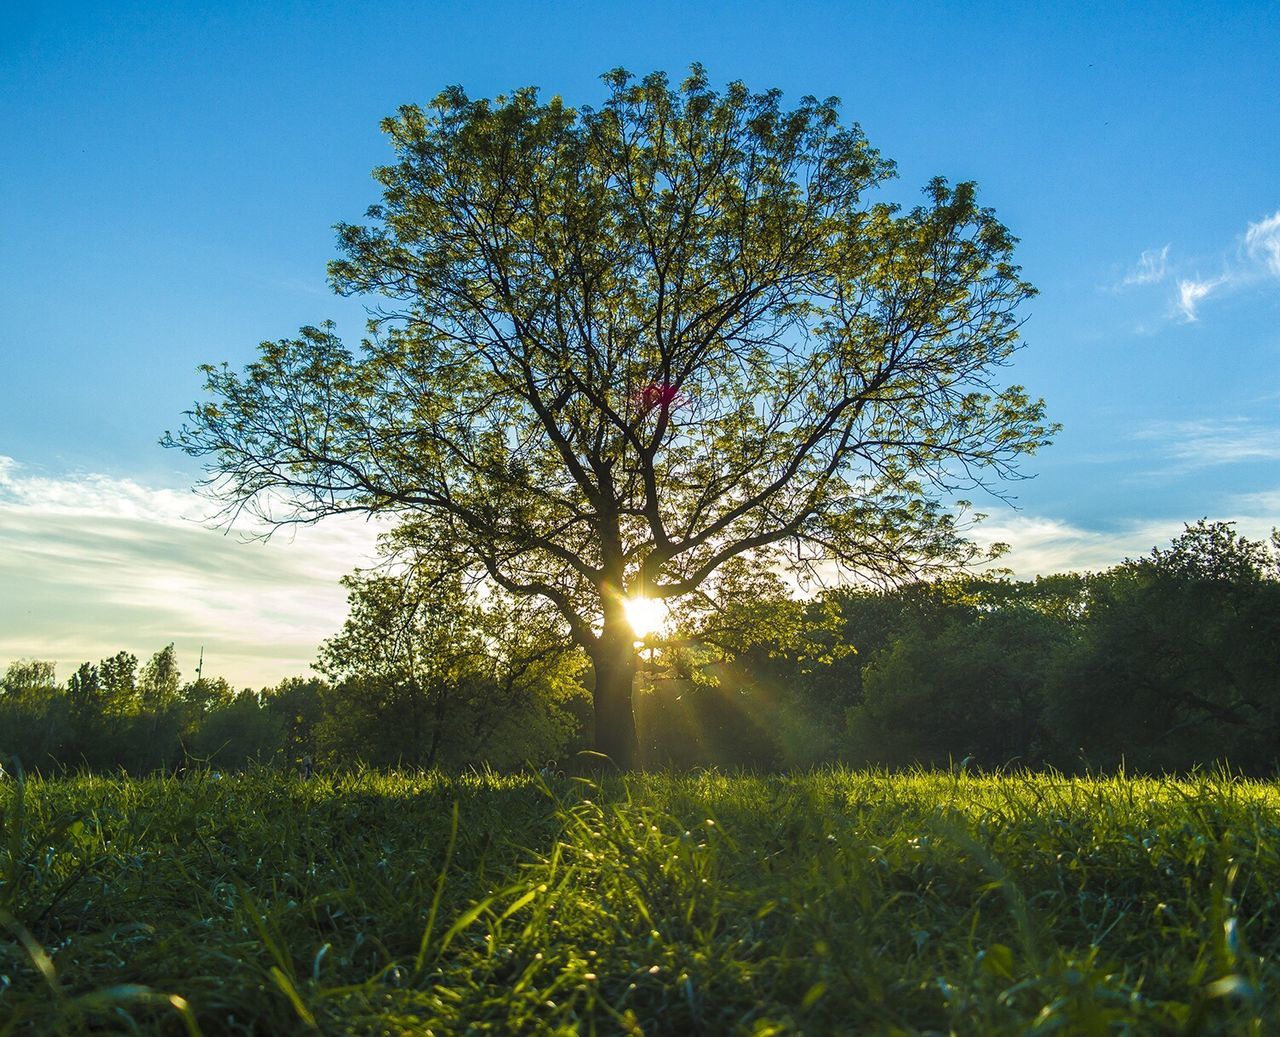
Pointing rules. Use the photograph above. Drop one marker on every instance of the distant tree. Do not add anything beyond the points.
(160, 680)
(627, 345)
(29, 680)
(406, 659)
(870, 618)
(426, 671)
(1180, 662)
(119, 677)
(237, 732)
(297, 703)
(206, 694)
(530, 700)
(972, 687)
(1215, 554)
(85, 692)
(33, 713)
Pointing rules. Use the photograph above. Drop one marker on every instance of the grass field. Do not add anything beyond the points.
(832, 902)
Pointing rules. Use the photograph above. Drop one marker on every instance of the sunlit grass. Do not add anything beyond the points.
(831, 902)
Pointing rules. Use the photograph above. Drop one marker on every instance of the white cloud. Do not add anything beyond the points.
(1255, 261)
(92, 565)
(1190, 294)
(1042, 546)
(1152, 266)
(1207, 443)
(1262, 503)
(93, 494)
(1262, 243)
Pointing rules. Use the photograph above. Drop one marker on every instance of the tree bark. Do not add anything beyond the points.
(614, 660)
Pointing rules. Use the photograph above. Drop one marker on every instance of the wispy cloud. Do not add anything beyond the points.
(1151, 267)
(1210, 442)
(1042, 546)
(1262, 242)
(93, 564)
(1254, 261)
(1264, 502)
(1191, 293)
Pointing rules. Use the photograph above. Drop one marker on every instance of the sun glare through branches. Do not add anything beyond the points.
(646, 615)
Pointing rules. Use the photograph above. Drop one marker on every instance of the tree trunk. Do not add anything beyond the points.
(614, 659)
(437, 727)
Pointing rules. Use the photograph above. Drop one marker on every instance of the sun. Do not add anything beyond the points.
(646, 615)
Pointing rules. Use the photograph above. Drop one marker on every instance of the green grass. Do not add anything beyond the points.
(832, 902)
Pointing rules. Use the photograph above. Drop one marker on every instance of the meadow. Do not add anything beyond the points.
(827, 902)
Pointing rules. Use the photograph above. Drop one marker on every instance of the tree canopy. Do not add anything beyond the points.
(621, 346)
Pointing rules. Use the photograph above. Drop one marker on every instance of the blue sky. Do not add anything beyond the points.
(171, 174)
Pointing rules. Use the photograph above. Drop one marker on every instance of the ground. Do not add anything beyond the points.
(829, 902)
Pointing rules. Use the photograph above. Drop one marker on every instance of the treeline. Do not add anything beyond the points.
(1163, 663)
(419, 676)
(1159, 664)
(206, 723)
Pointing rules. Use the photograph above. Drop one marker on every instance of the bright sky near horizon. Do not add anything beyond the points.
(171, 174)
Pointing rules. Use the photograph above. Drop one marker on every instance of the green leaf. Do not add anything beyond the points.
(998, 960)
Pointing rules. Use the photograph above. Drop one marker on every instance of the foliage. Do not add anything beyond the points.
(1180, 655)
(28, 680)
(159, 683)
(963, 676)
(831, 902)
(725, 685)
(408, 660)
(423, 673)
(119, 683)
(625, 346)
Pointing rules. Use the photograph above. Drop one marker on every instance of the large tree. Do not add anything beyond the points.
(619, 347)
